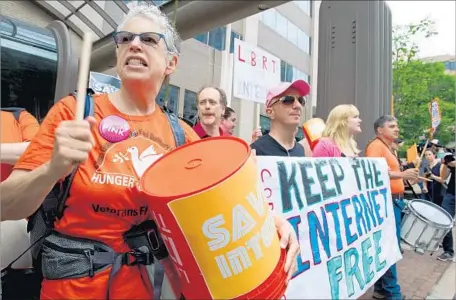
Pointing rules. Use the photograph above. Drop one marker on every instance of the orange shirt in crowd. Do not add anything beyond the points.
(16, 131)
(102, 205)
(378, 149)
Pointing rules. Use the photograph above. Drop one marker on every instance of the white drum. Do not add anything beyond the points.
(425, 225)
(14, 241)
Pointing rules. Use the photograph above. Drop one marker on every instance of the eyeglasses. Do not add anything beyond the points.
(148, 38)
(289, 100)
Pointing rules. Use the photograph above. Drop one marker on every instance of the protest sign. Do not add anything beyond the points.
(101, 83)
(434, 110)
(343, 214)
(254, 72)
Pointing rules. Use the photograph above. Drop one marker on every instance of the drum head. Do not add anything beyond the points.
(431, 212)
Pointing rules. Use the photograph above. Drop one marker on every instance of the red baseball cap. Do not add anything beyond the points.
(302, 87)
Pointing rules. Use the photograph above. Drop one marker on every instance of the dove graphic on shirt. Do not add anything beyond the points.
(144, 160)
(124, 163)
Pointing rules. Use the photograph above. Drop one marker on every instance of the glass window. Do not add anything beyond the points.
(234, 35)
(190, 108)
(29, 67)
(299, 134)
(269, 18)
(265, 123)
(203, 37)
(217, 38)
(292, 33)
(289, 73)
(302, 75)
(288, 77)
(283, 70)
(173, 102)
(310, 46)
(303, 41)
(173, 97)
(296, 74)
(159, 2)
(281, 25)
(306, 6)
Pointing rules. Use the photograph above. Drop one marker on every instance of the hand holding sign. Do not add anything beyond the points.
(73, 139)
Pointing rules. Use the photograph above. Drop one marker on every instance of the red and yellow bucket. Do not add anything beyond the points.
(218, 229)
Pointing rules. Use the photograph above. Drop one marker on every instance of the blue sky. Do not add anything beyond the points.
(442, 12)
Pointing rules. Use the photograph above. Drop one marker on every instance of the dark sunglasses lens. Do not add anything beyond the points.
(150, 38)
(288, 100)
(123, 37)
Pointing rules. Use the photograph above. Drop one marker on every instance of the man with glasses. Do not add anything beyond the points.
(284, 104)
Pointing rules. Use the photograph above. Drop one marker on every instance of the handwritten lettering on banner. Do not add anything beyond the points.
(254, 72)
(342, 212)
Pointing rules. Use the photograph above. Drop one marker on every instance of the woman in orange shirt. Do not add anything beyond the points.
(112, 150)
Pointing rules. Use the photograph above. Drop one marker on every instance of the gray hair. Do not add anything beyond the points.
(380, 123)
(154, 14)
(223, 98)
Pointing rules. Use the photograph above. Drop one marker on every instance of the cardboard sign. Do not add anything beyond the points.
(254, 72)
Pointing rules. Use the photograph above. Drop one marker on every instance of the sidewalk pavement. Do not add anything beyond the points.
(446, 287)
(423, 276)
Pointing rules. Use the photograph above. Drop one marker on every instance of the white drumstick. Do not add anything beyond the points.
(84, 64)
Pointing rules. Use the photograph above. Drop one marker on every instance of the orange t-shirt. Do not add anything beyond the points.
(16, 131)
(102, 204)
(378, 149)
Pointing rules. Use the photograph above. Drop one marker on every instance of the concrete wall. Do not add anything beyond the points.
(29, 12)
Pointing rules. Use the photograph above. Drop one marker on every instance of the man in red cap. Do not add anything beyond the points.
(284, 104)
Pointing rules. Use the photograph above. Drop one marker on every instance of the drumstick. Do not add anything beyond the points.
(84, 63)
(424, 178)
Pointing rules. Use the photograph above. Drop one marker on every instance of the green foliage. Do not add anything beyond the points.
(416, 83)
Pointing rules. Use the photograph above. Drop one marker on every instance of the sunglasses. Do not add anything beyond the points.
(148, 38)
(289, 100)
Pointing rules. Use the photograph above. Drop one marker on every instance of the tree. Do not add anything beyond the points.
(416, 83)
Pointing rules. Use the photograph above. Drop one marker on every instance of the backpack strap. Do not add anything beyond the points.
(65, 186)
(16, 111)
(176, 127)
(89, 105)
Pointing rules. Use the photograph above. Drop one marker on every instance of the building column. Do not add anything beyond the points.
(314, 58)
(247, 114)
(226, 78)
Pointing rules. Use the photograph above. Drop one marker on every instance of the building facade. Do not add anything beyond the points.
(449, 62)
(286, 31)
